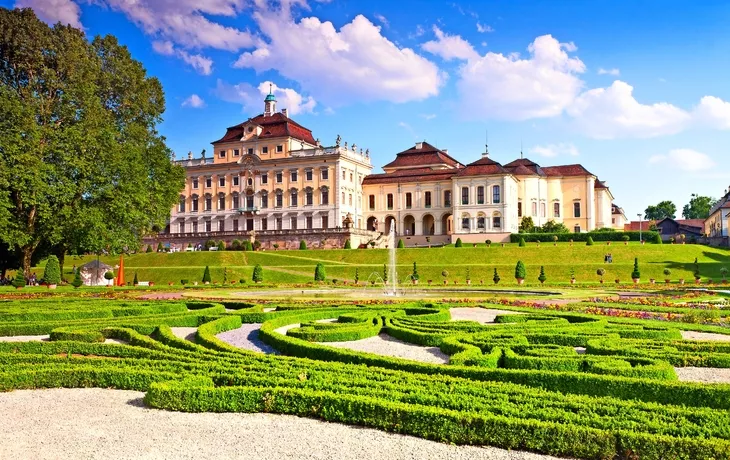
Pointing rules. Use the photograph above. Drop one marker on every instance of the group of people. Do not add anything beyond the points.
(31, 281)
(608, 258)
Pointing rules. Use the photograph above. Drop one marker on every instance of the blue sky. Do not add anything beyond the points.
(636, 91)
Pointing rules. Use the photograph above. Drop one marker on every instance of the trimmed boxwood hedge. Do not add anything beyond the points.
(581, 237)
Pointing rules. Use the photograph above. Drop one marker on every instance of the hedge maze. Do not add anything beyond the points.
(560, 383)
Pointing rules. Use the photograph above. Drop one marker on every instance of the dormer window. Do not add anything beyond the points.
(222, 154)
(279, 148)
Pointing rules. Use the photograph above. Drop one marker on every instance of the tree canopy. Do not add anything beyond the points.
(82, 166)
(698, 207)
(661, 211)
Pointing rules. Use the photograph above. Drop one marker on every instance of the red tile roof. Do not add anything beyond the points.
(524, 167)
(600, 184)
(410, 175)
(427, 155)
(482, 167)
(275, 125)
(634, 226)
(567, 170)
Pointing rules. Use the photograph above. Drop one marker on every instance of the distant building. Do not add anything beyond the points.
(691, 229)
(716, 225)
(618, 217)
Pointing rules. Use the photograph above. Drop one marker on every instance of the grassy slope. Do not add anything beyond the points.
(298, 266)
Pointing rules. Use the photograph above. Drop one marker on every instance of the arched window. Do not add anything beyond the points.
(324, 198)
(480, 195)
(496, 220)
(465, 221)
(194, 203)
(181, 205)
(496, 194)
(264, 199)
(481, 221)
(221, 201)
(208, 202)
(279, 199)
(309, 197)
(293, 198)
(236, 201)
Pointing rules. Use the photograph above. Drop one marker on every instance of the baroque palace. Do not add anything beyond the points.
(271, 181)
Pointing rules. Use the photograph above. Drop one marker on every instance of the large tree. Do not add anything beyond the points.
(661, 211)
(81, 162)
(698, 207)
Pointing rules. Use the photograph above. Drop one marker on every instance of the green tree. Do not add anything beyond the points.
(221, 246)
(522, 242)
(225, 275)
(19, 280)
(160, 247)
(542, 276)
(77, 281)
(258, 274)
(527, 225)
(78, 133)
(136, 280)
(206, 275)
(496, 277)
(458, 243)
(109, 275)
(348, 245)
(149, 249)
(400, 244)
(302, 245)
(385, 274)
(414, 275)
(554, 227)
(52, 271)
(319, 273)
(589, 241)
(9, 257)
(661, 211)
(658, 239)
(357, 274)
(635, 273)
(698, 207)
(520, 270)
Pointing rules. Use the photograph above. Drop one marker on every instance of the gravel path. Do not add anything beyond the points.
(95, 423)
(386, 345)
(116, 341)
(186, 333)
(26, 338)
(247, 337)
(692, 335)
(703, 374)
(481, 315)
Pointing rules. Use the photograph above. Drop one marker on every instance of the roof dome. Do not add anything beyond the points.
(270, 97)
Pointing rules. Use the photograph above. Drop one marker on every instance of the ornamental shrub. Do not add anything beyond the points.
(488, 242)
(302, 245)
(600, 272)
(348, 245)
(221, 246)
(206, 275)
(77, 282)
(589, 241)
(667, 272)
(626, 238)
(414, 275)
(19, 280)
(209, 244)
(658, 239)
(225, 275)
(52, 272)
(697, 269)
(458, 243)
(236, 245)
(542, 276)
(109, 275)
(136, 280)
(496, 277)
(400, 244)
(385, 273)
(149, 248)
(256, 245)
(246, 245)
(522, 242)
(184, 281)
(636, 274)
(258, 274)
(357, 274)
(520, 270)
(160, 248)
(445, 273)
(319, 273)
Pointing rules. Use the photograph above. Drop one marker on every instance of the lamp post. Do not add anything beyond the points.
(640, 238)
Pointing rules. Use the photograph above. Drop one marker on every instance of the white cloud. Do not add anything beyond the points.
(554, 150)
(684, 160)
(354, 63)
(382, 19)
(713, 112)
(608, 113)
(512, 88)
(194, 101)
(428, 116)
(185, 22)
(53, 11)
(418, 33)
(615, 72)
(450, 46)
(252, 98)
(200, 63)
(481, 28)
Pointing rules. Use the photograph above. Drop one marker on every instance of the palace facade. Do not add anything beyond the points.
(271, 180)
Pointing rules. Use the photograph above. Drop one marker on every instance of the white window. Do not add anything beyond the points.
(308, 174)
(222, 154)
(235, 180)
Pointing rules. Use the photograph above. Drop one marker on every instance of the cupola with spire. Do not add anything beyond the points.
(270, 103)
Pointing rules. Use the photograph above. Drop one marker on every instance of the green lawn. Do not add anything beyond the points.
(298, 266)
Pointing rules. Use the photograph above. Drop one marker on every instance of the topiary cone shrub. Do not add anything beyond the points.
(136, 280)
(542, 276)
(319, 273)
(496, 277)
(52, 272)
(414, 275)
(522, 242)
(302, 245)
(77, 281)
(206, 275)
(149, 249)
(458, 243)
(658, 239)
(400, 244)
(520, 272)
(348, 245)
(19, 280)
(635, 273)
(258, 274)
(589, 241)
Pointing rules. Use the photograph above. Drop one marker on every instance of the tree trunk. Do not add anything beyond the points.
(61, 254)
(27, 259)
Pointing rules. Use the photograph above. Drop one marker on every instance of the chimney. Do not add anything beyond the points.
(419, 145)
(285, 113)
(445, 150)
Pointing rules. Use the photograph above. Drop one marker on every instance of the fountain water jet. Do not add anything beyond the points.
(392, 273)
